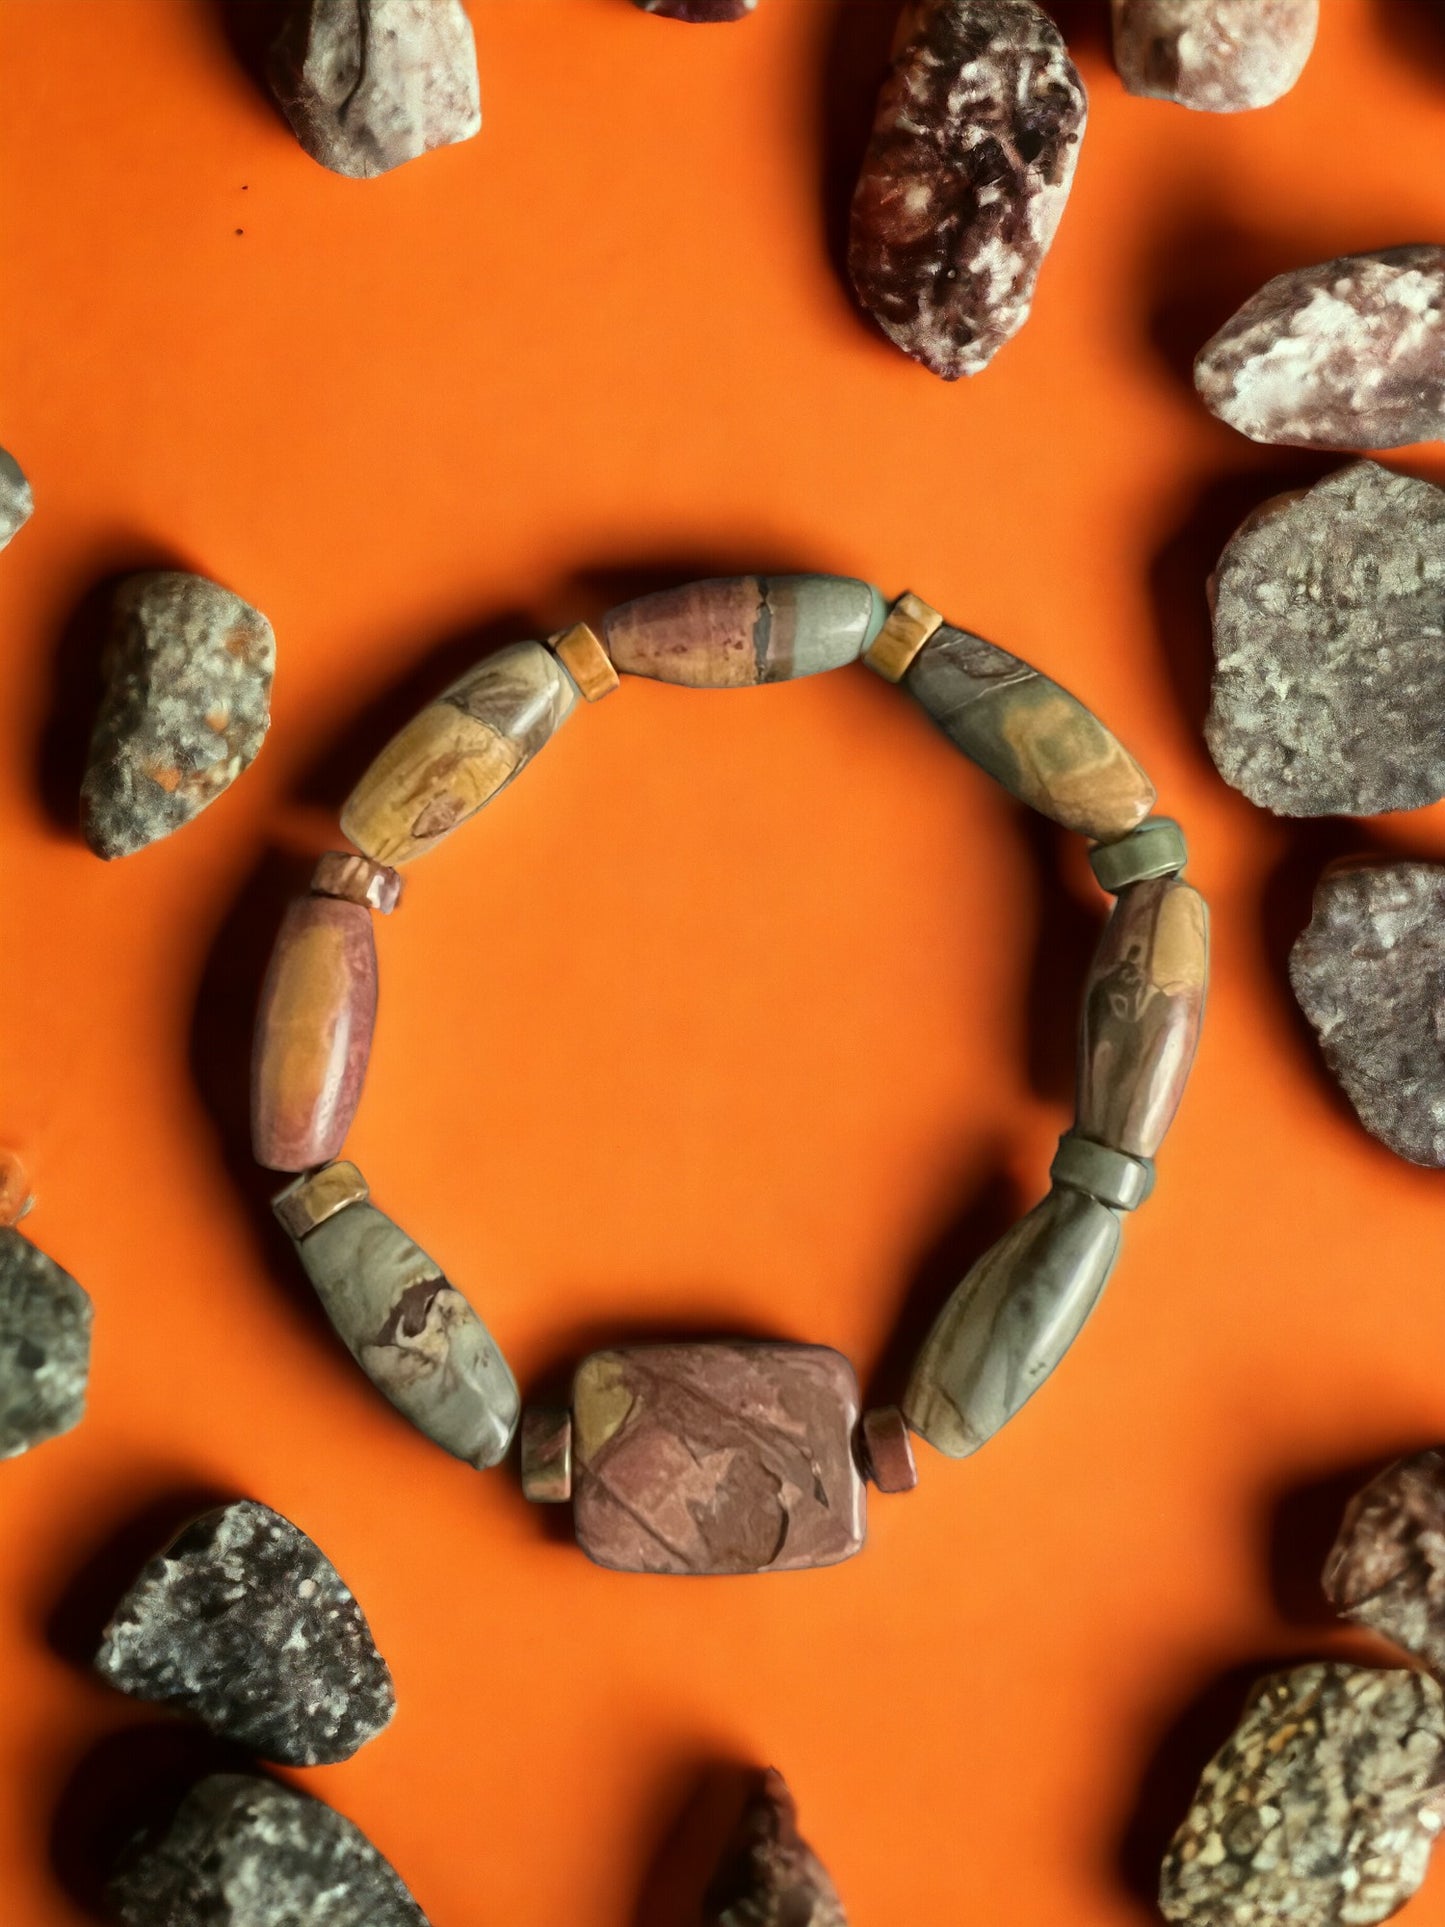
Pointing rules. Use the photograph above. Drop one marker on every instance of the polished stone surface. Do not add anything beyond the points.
(1156, 849)
(699, 12)
(318, 1195)
(580, 652)
(732, 631)
(1099, 1171)
(1386, 1570)
(546, 1455)
(907, 626)
(45, 1320)
(17, 1199)
(888, 1450)
(1220, 56)
(243, 1622)
(356, 879)
(716, 1457)
(768, 1875)
(17, 501)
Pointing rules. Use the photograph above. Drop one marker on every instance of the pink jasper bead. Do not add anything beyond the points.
(313, 1033)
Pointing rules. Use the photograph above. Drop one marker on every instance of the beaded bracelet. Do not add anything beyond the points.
(727, 1457)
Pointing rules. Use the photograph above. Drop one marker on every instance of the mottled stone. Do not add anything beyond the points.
(1143, 1008)
(768, 1875)
(187, 668)
(356, 879)
(313, 1033)
(1386, 1570)
(412, 1333)
(1329, 679)
(1222, 56)
(580, 652)
(1099, 1171)
(888, 1450)
(736, 630)
(318, 1195)
(1010, 1322)
(17, 502)
(1369, 973)
(368, 84)
(244, 1623)
(17, 1200)
(716, 1458)
(44, 1346)
(1347, 354)
(460, 752)
(703, 13)
(248, 1852)
(1320, 1810)
(1030, 735)
(1156, 849)
(965, 179)
(546, 1454)
(907, 626)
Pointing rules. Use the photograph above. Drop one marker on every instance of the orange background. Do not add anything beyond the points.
(747, 1012)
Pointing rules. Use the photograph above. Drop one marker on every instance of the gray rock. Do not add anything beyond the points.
(1348, 354)
(17, 503)
(1386, 1570)
(245, 1623)
(1219, 56)
(44, 1346)
(188, 670)
(368, 84)
(247, 1852)
(1329, 680)
(1369, 973)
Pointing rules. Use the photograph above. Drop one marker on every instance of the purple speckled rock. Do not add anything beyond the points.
(1221, 56)
(769, 1876)
(965, 180)
(716, 1458)
(1386, 1569)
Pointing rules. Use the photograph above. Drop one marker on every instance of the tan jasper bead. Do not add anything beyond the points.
(588, 664)
(313, 1033)
(738, 630)
(458, 753)
(909, 624)
(356, 879)
(1143, 1007)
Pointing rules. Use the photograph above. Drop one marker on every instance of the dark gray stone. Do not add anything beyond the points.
(44, 1346)
(245, 1623)
(769, 1876)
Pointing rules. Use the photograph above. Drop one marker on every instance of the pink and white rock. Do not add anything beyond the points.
(1347, 354)
(1221, 56)
(965, 180)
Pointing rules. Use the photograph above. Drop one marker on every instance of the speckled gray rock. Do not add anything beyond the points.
(1329, 645)
(246, 1624)
(247, 1852)
(1320, 1810)
(768, 1875)
(44, 1346)
(1386, 1570)
(1347, 354)
(188, 668)
(368, 84)
(1369, 973)
(1221, 56)
(17, 503)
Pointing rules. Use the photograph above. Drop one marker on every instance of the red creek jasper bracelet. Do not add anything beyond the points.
(728, 1457)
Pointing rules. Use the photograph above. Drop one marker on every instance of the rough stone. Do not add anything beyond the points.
(188, 670)
(1369, 973)
(1347, 354)
(768, 1875)
(1320, 1810)
(245, 1623)
(17, 503)
(701, 13)
(1386, 1570)
(1329, 680)
(965, 180)
(247, 1852)
(1222, 56)
(44, 1346)
(368, 84)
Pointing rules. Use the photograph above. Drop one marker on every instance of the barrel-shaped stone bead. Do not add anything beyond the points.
(1143, 1007)
(413, 1333)
(1010, 1322)
(1032, 737)
(313, 1033)
(737, 630)
(458, 753)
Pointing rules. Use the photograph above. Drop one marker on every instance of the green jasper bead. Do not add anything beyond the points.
(1156, 849)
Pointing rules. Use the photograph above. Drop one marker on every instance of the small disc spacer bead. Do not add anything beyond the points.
(546, 1454)
(1156, 849)
(318, 1195)
(580, 652)
(906, 627)
(357, 879)
(1099, 1171)
(888, 1450)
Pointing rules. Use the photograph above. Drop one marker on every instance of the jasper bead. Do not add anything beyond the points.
(1156, 849)
(1101, 1172)
(580, 652)
(16, 1197)
(546, 1455)
(1143, 1007)
(738, 630)
(908, 625)
(313, 1033)
(1032, 737)
(356, 879)
(889, 1450)
(318, 1195)
(458, 753)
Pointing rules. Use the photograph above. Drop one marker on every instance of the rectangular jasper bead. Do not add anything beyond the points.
(313, 1033)
(716, 1458)
(736, 630)
(1032, 737)
(458, 753)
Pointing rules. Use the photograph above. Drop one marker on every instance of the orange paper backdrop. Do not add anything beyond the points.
(742, 1012)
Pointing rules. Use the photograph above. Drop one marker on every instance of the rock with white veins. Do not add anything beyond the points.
(1369, 973)
(17, 503)
(243, 1851)
(244, 1622)
(966, 177)
(368, 84)
(1329, 677)
(1222, 56)
(1348, 354)
(44, 1346)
